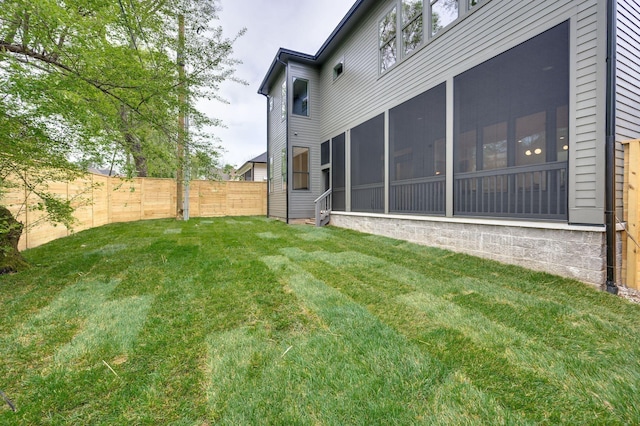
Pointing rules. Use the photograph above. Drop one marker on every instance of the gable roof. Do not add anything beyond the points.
(283, 56)
(262, 158)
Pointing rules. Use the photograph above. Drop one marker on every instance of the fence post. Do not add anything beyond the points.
(631, 204)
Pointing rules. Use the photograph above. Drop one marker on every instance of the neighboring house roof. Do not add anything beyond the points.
(262, 158)
(348, 22)
(104, 172)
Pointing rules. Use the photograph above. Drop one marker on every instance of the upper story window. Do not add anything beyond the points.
(270, 174)
(412, 25)
(300, 97)
(283, 100)
(387, 31)
(443, 12)
(400, 33)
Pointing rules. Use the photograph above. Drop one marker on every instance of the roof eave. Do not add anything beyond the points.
(282, 57)
(338, 34)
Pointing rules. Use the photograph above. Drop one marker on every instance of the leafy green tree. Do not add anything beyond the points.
(85, 81)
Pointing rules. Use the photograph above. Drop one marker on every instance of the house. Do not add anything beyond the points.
(489, 127)
(254, 169)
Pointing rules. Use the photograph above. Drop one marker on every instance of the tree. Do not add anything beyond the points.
(96, 81)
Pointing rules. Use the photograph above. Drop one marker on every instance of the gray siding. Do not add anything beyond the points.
(277, 141)
(305, 132)
(361, 93)
(628, 80)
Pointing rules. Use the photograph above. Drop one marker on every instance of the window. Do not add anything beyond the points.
(270, 174)
(387, 35)
(418, 21)
(300, 168)
(338, 69)
(324, 153)
(412, 25)
(300, 97)
(417, 133)
(271, 103)
(338, 173)
(443, 12)
(367, 166)
(510, 131)
(283, 100)
(283, 163)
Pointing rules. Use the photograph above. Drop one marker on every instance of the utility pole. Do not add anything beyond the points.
(181, 121)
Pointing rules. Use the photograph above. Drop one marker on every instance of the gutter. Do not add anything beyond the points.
(610, 150)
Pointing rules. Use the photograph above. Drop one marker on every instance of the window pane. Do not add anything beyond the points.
(388, 56)
(443, 12)
(300, 97)
(283, 100)
(270, 174)
(410, 9)
(531, 144)
(387, 41)
(338, 177)
(300, 168)
(283, 165)
(387, 28)
(324, 153)
(472, 3)
(412, 35)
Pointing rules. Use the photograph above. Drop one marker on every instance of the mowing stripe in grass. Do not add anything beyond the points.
(110, 326)
(75, 302)
(110, 330)
(268, 236)
(519, 356)
(375, 359)
(356, 365)
(313, 234)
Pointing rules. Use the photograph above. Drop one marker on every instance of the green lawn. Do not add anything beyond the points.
(250, 321)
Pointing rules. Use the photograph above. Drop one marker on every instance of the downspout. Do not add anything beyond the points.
(610, 153)
(269, 177)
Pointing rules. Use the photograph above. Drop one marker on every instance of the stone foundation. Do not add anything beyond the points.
(577, 252)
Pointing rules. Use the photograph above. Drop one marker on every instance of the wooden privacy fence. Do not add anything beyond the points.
(100, 200)
(630, 248)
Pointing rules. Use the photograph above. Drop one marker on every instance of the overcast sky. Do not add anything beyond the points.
(301, 25)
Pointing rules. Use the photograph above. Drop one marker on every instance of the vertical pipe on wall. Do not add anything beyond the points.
(286, 140)
(269, 177)
(610, 153)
